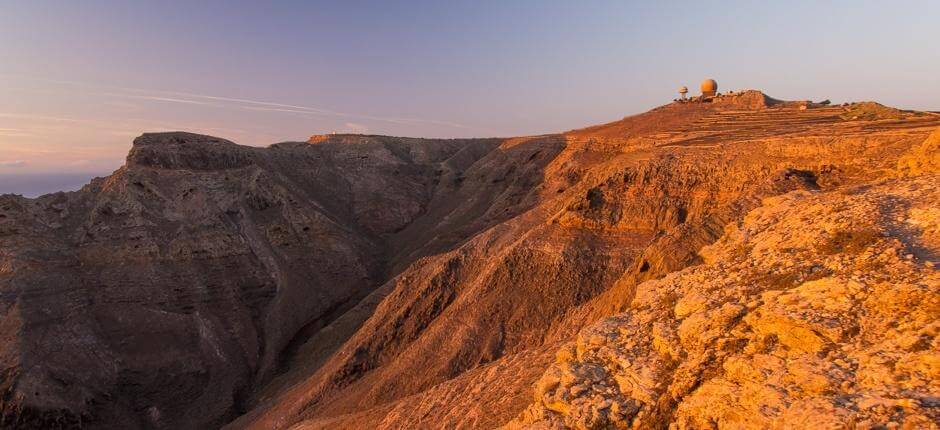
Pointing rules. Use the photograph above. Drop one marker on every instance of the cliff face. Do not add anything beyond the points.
(369, 281)
(162, 295)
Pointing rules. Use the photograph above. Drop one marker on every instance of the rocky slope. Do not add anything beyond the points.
(162, 295)
(377, 282)
(818, 310)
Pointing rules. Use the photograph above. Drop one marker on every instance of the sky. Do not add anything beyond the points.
(79, 80)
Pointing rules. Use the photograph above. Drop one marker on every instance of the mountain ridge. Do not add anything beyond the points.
(328, 284)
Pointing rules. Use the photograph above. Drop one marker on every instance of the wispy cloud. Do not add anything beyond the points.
(125, 127)
(156, 98)
(253, 102)
(15, 132)
(39, 117)
(13, 164)
(232, 102)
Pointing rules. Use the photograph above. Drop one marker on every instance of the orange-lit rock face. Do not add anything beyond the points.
(818, 310)
(380, 282)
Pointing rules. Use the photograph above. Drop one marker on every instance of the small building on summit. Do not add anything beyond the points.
(709, 89)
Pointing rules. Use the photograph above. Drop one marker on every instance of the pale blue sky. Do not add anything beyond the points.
(78, 80)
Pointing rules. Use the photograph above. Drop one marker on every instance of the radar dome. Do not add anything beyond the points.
(709, 87)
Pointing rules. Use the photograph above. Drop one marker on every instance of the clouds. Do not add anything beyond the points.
(172, 100)
(14, 132)
(65, 126)
(217, 101)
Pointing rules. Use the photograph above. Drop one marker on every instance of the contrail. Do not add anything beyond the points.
(260, 105)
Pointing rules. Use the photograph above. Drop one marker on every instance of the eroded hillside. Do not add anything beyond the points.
(378, 282)
(819, 310)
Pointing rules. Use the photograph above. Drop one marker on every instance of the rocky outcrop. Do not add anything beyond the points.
(187, 151)
(923, 158)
